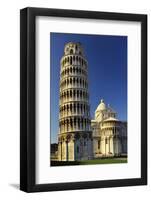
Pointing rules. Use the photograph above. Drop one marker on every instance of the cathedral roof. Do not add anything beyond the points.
(111, 119)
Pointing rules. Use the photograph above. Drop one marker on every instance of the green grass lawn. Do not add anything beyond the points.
(90, 162)
(104, 161)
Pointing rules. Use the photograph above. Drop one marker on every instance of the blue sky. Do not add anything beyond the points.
(107, 72)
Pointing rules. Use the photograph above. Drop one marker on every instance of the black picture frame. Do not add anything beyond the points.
(28, 98)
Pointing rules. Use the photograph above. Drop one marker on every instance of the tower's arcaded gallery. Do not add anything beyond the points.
(75, 135)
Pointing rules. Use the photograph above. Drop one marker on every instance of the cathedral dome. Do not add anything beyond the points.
(101, 106)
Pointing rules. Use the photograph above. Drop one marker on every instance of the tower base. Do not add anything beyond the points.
(75, 146)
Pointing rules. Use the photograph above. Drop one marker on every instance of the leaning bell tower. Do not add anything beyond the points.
(75, 136)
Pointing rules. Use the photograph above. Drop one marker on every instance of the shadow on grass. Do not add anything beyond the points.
(64, 163)
(90, 162)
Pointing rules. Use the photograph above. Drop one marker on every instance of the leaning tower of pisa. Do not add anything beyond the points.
(75, 136)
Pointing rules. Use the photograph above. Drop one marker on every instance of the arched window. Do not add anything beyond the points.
(64, 95)
(76, 70)
(74, 122)
(106, 141)
(81, 108)
(67, 82)
(70, 122)
(77, 58)
(74, 94)
(84, 107)
(73, 81)
(67, 124)
(77, 93)
(85, 122)
(82, 62)
(77, 149)
(83, 95)
(70, 107)
(80, 94)
(70, 81)
(68, 71)
(67, 94)
(98, 144)
(70, 60)
(78, 123)
(73, 58)
(82, 123)
(77, 107)
(80, 81)
(71, 51)
(77, 81)
(71, 93)
(83, 83)
(67, 108)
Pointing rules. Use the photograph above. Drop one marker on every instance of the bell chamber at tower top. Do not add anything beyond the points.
(73, 48)
(73, 55)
